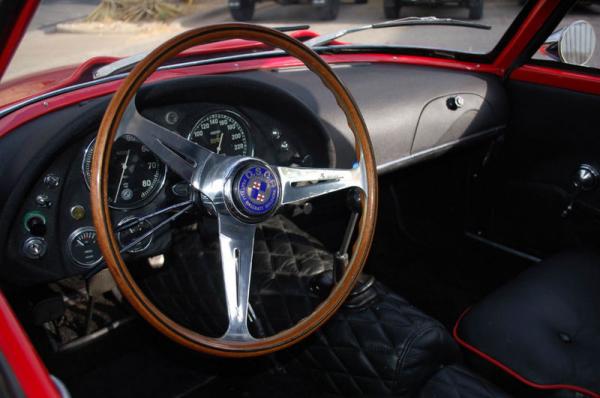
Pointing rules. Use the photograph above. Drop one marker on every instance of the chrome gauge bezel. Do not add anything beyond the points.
(142, 203)
(70, 240)
(134, 250)
(248, 131)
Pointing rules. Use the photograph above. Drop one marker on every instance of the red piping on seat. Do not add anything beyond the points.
(513, 373)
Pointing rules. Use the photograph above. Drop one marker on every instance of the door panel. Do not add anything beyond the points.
(552, 132)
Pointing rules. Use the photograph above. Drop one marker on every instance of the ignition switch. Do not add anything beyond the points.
(35, 248)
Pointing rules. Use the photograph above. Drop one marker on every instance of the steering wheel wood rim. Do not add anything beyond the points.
(99, 183)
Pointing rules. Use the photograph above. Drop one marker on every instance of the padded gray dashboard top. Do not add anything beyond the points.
(393, 99)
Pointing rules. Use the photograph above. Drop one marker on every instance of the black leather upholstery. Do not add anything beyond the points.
(190, 287)
(545, 325)
(385, 348)
(456, 381)
(377, 345)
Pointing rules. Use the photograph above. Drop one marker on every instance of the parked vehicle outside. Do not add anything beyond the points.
(243, 10)
(392, 8)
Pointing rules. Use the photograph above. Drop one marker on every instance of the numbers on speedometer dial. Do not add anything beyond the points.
(223, 132)
(135, 174)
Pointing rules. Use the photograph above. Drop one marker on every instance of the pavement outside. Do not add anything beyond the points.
(45, 47)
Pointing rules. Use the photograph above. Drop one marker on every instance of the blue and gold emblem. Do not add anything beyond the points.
(257, 190)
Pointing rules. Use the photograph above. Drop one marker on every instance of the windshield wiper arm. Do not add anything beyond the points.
(409, 21)
(127, 63)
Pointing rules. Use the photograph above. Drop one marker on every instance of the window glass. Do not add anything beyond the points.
(69, 32)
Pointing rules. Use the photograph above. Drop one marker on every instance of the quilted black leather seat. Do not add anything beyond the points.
(385, 347)
(377, 345)
(544, 327)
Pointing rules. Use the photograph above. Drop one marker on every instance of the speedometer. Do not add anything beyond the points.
(135, 174)
(223, 132)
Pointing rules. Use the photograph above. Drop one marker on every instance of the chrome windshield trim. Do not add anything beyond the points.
(113, 67)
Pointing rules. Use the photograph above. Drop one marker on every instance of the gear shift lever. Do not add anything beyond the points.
(584, 180)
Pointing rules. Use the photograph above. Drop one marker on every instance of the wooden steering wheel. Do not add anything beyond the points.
(225, 183)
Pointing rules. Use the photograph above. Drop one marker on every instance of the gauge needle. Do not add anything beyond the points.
(220, 142)
(124, 166)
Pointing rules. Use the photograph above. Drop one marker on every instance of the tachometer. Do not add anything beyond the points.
(223, 132)
(135, 174)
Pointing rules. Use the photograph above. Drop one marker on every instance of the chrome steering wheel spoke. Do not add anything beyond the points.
(299, 184)
(236, 240)
(187, 159)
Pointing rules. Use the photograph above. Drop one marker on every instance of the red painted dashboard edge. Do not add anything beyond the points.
(25, 364)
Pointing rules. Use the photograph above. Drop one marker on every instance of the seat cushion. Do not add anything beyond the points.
(386, 347)
(544, 327)
(457, 382)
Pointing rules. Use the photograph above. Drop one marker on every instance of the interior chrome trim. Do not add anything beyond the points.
(437, 150)
(501, 247)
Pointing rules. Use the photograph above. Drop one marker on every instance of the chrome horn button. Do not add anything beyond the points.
(255, 192)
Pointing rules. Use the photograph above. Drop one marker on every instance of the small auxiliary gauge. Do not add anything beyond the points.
(135, 232)
(82, 247)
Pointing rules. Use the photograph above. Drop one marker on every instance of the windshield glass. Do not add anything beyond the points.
(69, 32)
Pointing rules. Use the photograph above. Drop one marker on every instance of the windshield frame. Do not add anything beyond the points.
(508, 35)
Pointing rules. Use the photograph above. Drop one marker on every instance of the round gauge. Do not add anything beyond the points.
(133, 233)
(135, 174)
(82, 247)
(223, 132)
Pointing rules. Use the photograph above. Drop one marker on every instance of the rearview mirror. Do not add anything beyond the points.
(573, 44)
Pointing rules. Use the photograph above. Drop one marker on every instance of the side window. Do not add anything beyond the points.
(575, 40)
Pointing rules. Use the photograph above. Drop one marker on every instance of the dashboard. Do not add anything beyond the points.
(285, 117)
(54, 236)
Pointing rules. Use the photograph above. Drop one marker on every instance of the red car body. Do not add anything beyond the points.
(27, 368)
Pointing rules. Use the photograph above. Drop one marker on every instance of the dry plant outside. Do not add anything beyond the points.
(135, 11)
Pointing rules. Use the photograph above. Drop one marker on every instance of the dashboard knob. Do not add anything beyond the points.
(43, 200)
(455, 102)
(35, 247)
(52, 180)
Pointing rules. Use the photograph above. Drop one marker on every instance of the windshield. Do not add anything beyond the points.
(69, 32)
